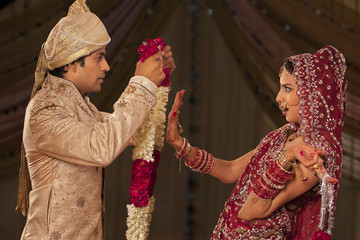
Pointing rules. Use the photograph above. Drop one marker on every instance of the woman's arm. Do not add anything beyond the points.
(230, 171)
(225, 171)
(256, 208)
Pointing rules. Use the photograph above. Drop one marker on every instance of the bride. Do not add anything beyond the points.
(284, 189)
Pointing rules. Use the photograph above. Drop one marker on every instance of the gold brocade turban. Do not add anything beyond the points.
(77, 35)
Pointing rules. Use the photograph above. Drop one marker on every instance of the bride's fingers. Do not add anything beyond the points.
(304, 156)
(332, 180)
(172, 129)
(178, 101)
(321, 172)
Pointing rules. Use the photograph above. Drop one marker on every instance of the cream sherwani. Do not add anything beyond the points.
(68, 142)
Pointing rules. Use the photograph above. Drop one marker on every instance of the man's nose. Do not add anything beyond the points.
(106, 66)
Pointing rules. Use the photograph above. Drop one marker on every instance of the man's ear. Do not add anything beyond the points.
(72, 67)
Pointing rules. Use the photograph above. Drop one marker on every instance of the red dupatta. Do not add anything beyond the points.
(322, 97)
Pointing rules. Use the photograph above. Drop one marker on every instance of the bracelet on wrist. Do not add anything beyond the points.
(283, 161)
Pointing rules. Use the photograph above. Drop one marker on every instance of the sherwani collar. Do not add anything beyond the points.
(68, 89)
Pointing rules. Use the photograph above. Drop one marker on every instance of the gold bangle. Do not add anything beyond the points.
(283, 161)
(282, 168)
(177, 153)
(205, 153)
(273, 185)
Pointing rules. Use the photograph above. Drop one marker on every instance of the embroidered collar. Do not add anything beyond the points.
(68, 89)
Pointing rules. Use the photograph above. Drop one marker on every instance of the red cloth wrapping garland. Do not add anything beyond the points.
(144, 173)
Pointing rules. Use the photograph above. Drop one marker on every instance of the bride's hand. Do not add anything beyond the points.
(321, 172)
(310, 158)
(172, 132)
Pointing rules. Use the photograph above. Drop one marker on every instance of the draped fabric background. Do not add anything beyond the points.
(228, 54)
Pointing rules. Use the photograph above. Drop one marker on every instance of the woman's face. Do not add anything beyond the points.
(287, 99)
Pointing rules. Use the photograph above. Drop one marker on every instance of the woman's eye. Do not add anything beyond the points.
(287, 89)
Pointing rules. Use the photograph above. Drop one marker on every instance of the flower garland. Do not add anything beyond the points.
(146, 154)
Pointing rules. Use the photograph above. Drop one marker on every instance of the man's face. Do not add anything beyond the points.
(90, 77)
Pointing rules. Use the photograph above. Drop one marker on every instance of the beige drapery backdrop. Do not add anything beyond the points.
(226, 116)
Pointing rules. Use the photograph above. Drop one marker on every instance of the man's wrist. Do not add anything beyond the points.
(145, 82)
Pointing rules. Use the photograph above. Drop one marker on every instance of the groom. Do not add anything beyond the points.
(67, 141)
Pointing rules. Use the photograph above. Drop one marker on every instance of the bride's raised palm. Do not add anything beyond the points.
(172, 132)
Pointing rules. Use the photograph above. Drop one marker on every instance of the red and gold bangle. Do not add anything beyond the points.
(272, 181)
(272, 184)
(203, 161)
(275, 178)
(209, 163)
(263, 192)
(283, 162)
(195, 161)
(178, 154)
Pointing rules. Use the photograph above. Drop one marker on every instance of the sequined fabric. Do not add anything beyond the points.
(68, 142)
(322, 96)
(277, 225)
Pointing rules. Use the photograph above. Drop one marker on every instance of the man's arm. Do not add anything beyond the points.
(58, 134)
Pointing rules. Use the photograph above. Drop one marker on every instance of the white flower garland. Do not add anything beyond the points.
(150, 137)
(138, 221)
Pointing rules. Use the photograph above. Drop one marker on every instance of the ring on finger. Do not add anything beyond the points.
(316, 165)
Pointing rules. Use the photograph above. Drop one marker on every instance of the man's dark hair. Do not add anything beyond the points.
(59, 72)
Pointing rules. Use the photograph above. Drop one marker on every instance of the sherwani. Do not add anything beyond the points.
(68, 142)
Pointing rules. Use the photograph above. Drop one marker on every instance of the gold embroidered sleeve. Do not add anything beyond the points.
(59, 133)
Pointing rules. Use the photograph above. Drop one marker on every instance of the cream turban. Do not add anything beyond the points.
(78, 34)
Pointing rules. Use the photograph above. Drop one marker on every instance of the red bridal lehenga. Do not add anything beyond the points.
(322, 96)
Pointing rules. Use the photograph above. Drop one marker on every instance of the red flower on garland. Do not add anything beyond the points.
(149, 48)
(321, 235)
(143, 180)
(144, 173)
